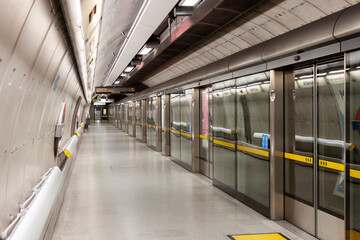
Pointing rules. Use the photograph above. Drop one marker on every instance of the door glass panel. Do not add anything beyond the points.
(175, 125)
(138, 120)
(163, 119)
(353, 147)
(253, 138)
(299, 137)
(204, 124)
(151, 121)
(330, 137)
(126, 112)
(186, 127)
(130, 119)
(224, 132)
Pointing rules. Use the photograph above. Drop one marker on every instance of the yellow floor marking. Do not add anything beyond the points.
(264, 236)
(353, 235)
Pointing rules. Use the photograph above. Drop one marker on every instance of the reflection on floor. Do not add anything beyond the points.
(122, 189)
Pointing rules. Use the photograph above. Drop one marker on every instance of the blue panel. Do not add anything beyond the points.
(265, 141)
(56, 83)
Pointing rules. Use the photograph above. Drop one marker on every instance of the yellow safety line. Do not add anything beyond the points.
(186, 134)
(309, 160)
(331, 165)
(176, 132)
(225, 144)
(204, 137)
(299, 158)
(253, 150)
(355, 173)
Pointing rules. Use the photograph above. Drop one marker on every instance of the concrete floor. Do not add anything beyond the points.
(122, 189)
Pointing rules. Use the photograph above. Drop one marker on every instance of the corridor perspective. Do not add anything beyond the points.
(179, 119)
(122, 189)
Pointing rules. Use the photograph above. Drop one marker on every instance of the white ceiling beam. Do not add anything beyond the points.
(152, 14)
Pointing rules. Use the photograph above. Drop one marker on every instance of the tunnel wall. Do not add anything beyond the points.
(37, 74)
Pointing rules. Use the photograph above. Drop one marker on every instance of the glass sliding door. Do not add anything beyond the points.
(224, 135)
(253, 140)
(175, 124)
(151, 122)
(314, 148)
(186, 128)
(204, 132)
(130, 118)
(138, 120)
(353, 146)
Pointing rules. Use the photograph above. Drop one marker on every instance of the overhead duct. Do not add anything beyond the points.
(73, 17)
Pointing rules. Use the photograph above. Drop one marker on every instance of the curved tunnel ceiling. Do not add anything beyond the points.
(267, 20)
(118, 17)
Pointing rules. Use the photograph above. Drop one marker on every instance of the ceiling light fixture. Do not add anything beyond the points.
(145, 50)
(117, 82)
(128, 69)
(123, 75)
(189, 3)
(149, 46)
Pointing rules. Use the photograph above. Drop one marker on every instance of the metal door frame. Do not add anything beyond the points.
(300, 215)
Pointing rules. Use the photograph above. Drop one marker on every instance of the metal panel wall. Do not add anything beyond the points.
(37, 75)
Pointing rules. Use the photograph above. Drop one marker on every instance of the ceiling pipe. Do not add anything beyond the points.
(73, 17)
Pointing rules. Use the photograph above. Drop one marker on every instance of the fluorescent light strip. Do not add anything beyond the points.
(338, 71)
(128, 69)
(117, 82)
(123, 75)
(254, 84)
(145, 50)
(321, 74)
(306, 76)
(189, 3)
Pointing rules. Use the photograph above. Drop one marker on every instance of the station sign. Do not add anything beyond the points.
(114, 90)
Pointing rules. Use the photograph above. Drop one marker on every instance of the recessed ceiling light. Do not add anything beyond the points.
(117, 82)
(145, 50)
(189, 3)
(128, 69)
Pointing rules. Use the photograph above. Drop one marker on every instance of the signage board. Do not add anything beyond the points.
(114, 90)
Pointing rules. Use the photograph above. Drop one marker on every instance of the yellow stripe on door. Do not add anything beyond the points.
(253, 150)
(355, 174)
(225, 144)
(299, 158)
(331, 165)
